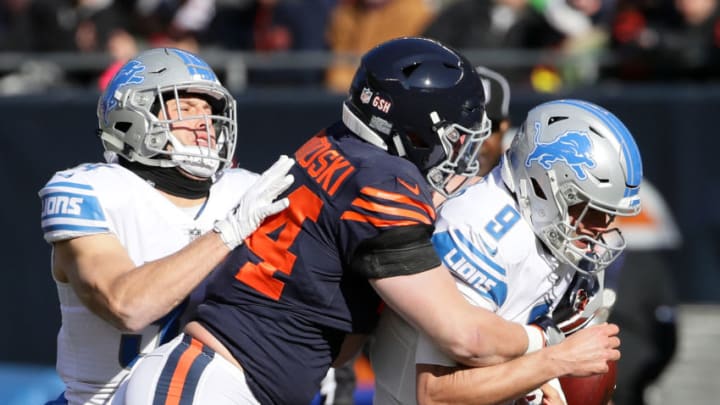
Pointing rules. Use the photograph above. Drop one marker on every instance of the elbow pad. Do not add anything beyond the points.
(396, 252)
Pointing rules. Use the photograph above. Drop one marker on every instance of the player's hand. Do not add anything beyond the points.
(552, 393)
(549, 393)
(588, 351)
(328, 387)
(257, 204)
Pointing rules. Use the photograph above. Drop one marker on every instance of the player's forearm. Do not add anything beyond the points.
(492, 340)
(150, 291)
(472, 335)
(431, 303)
(484, 385)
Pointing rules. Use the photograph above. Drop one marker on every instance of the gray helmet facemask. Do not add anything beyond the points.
(130, 108)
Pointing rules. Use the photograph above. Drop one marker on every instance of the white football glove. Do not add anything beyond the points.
(328, 386)
(257, 204)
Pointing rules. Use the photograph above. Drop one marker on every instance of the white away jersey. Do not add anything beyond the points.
(498, 264)
(93, 357)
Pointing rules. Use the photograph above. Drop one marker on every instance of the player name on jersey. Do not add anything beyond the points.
(324, 164)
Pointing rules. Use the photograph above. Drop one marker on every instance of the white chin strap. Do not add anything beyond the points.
(199, 161)
(360, 129)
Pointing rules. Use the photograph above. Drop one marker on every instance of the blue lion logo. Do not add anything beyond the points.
(572, 147)
(128, 74)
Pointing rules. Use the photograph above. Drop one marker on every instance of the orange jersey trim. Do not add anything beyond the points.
(177, 382)
(411, 216)
(377, 222)
(384, 209)
(399, 198)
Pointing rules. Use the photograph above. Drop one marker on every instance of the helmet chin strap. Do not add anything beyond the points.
(199, 161)
(360, 129)
(197, 166)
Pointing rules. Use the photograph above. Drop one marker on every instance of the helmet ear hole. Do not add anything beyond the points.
(155, 107)
(537, 189)
(123, 126)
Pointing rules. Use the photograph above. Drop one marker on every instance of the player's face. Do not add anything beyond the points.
(196, 130)
(490, 152)
(589, 222)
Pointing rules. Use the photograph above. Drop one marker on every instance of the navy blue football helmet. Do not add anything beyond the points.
(418, 99)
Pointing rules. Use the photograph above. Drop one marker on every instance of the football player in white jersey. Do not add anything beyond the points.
(132, 238)
(515, 242)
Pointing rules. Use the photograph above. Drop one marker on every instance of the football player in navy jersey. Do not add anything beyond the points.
(289, 302)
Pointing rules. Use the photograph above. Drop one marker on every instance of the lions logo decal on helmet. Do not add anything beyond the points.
(572, 147)
(128, 74)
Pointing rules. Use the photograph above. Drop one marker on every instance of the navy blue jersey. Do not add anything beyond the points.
(283, 301)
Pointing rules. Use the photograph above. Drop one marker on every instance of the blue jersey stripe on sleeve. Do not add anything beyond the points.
(70, 185)
(471, 265)
(75, 228)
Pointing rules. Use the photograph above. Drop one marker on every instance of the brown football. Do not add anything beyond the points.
(592, 390)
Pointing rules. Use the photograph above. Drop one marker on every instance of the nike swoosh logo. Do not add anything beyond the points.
(415, 189)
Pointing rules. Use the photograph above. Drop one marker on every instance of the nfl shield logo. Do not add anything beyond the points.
(366, 95)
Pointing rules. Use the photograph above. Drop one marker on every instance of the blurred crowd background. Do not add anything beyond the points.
(546, 45)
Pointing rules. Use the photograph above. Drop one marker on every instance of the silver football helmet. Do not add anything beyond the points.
(570, 152)
(129, 109)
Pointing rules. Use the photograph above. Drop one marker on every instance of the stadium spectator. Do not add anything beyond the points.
(486, 24)
(565, 28)
(18, 25)
(356, 26)
(132, 238)
(267, 26)
(677, 43)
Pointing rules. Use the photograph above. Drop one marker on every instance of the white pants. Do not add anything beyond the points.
(183, 372)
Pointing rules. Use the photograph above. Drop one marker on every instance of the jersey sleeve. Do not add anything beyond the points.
(394, 221)
(71, 208)
(473, 259)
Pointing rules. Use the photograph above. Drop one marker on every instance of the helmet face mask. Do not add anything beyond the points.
(571, 154)
(461, 147)
(420, 100)
(200, 160)
(588, 252)
(136, 123)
